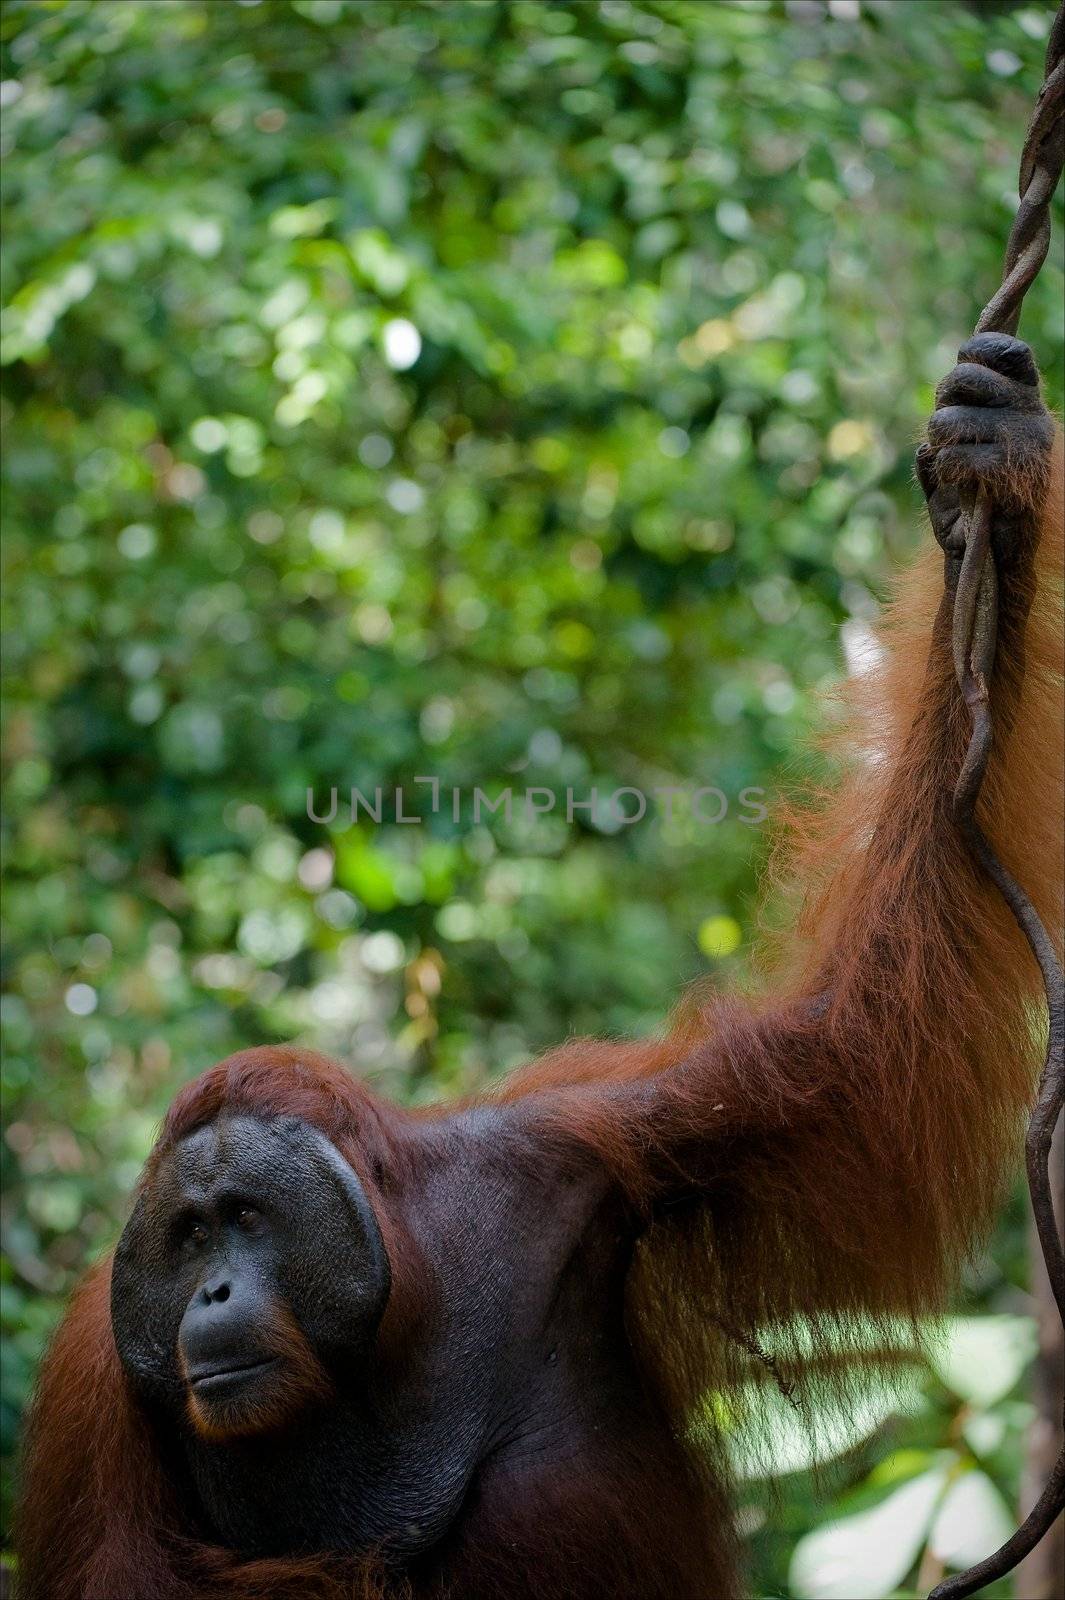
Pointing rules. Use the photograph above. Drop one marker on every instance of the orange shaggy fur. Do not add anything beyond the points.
(855, 1123)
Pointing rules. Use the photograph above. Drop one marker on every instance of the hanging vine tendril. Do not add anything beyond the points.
(974, 631)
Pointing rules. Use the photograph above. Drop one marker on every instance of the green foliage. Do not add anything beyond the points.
(915, 1475)
(514, 393)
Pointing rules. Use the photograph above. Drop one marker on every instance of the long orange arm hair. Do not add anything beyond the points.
(819, 1161)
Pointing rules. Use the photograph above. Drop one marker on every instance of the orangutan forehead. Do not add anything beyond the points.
(233, 1149)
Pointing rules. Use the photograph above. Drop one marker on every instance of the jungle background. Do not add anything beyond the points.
(515, 393)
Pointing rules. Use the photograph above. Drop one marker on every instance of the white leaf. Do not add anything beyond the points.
(971, 1523)
(981, 1358)
(865, 1557)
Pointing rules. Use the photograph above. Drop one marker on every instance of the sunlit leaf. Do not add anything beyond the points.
(972, 1521)
(982, 1358)
(865, 1557)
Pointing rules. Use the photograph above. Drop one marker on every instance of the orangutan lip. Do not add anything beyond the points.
(216, 1374)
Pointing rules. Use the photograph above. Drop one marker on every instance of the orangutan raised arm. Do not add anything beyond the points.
(851, 1131)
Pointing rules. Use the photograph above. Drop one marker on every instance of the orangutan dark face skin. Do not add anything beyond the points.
(246, 1221)
(348, 1351)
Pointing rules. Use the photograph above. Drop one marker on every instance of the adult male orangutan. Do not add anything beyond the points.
(345, 1350)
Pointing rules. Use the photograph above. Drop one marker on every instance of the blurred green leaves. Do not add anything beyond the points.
(510, 393)
(920, 1466)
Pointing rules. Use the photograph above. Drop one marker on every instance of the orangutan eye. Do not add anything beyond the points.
(196, 1236)
(247, 1217)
